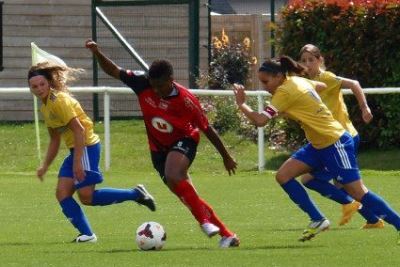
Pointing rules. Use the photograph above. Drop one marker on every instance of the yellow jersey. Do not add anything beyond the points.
(297, 99)
(59, 110)
(333, 99)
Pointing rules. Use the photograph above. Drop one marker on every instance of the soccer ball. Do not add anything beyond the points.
(150, 236)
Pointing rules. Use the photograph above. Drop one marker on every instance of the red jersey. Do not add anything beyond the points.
(166, 119)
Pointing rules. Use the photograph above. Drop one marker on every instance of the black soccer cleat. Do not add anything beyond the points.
(145, 199)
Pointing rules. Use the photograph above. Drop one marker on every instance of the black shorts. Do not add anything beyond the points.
(186, 146)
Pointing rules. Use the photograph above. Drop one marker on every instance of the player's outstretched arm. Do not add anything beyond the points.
(105, 63)
(256, 118)
(229, 163)
(355, 87)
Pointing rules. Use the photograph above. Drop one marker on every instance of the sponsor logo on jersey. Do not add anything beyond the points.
(150, 101)
(161, 125)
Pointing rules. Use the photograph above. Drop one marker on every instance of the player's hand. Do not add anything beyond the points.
(240, 95)
(91, 45)
(41, 171)
(367, 115)
(78, 171)
(230, 165)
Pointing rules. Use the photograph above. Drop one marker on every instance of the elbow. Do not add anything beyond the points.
(259, 123)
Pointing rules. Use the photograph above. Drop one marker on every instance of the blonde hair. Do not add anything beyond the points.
(57, 75)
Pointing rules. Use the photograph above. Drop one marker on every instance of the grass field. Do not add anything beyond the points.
(33, 231)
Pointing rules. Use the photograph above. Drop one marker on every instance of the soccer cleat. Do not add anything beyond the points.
(229, 241)
(145, 199)
(210, 229)
(314, 228)
(85, 239)
(379, 224)
(348, 211)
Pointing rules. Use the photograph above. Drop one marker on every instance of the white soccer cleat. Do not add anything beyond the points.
(85, 239)
(210, 229)
(229, 241)
(314, 228)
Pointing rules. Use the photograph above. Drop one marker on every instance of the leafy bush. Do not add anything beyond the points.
(359, 40)
(230, 63)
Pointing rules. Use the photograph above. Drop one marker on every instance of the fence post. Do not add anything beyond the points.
(107, 143)
(261, 155)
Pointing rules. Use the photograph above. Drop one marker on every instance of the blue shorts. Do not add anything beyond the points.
(337, 161)
(90, 163)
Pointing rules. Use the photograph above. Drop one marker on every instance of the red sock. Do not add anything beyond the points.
(223, 230)
(188, 195)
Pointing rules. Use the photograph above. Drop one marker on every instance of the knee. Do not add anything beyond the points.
(306, 178)
(281, 178)
(62, 194)
(85, 199)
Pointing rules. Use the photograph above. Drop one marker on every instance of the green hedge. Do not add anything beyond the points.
(360, 42)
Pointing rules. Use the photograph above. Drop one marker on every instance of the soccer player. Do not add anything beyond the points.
(330, 146)
(65, 119)
(311, 57)
(173, 118)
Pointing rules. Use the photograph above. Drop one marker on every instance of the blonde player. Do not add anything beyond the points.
(65, 119)
(330, 146)
(310, 56)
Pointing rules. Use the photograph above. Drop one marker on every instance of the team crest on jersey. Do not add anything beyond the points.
(161, 125)
(163, 104)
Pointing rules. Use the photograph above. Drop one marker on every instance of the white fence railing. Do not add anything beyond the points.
(107, 91)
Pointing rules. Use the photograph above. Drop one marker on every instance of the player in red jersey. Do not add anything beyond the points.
(173, 118)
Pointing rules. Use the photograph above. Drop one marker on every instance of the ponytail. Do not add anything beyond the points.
(284, 65)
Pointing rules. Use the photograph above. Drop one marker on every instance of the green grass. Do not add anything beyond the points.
(33, 231)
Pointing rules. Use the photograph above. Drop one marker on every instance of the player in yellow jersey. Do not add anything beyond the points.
(330, 146)
(311, 57)
(65, 119)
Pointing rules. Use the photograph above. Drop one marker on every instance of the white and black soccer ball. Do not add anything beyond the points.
(150, 236)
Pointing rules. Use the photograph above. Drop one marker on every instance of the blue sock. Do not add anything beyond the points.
(299, 196)
(75, 215)
(381, 208)
(328, 190)
(108, 196)
(368, 215)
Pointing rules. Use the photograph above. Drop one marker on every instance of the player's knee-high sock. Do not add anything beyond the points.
(381, 208)
(188, 195)
(328, 190)
(299, 196)
(108, 196)
(75, 215)
(223, 230)
(368, 215)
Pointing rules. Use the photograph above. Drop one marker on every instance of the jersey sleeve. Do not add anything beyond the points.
(136, 80)
(332, 80)
(199, 116)
(64, 109)
(280, 101)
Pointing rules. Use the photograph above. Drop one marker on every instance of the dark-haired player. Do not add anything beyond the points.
(173, 118)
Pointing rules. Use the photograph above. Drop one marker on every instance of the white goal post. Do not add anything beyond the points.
(107, 91)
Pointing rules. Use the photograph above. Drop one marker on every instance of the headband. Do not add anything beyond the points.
(38, 73)
(268, 67)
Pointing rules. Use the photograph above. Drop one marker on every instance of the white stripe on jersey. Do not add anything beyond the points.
(343, 155)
